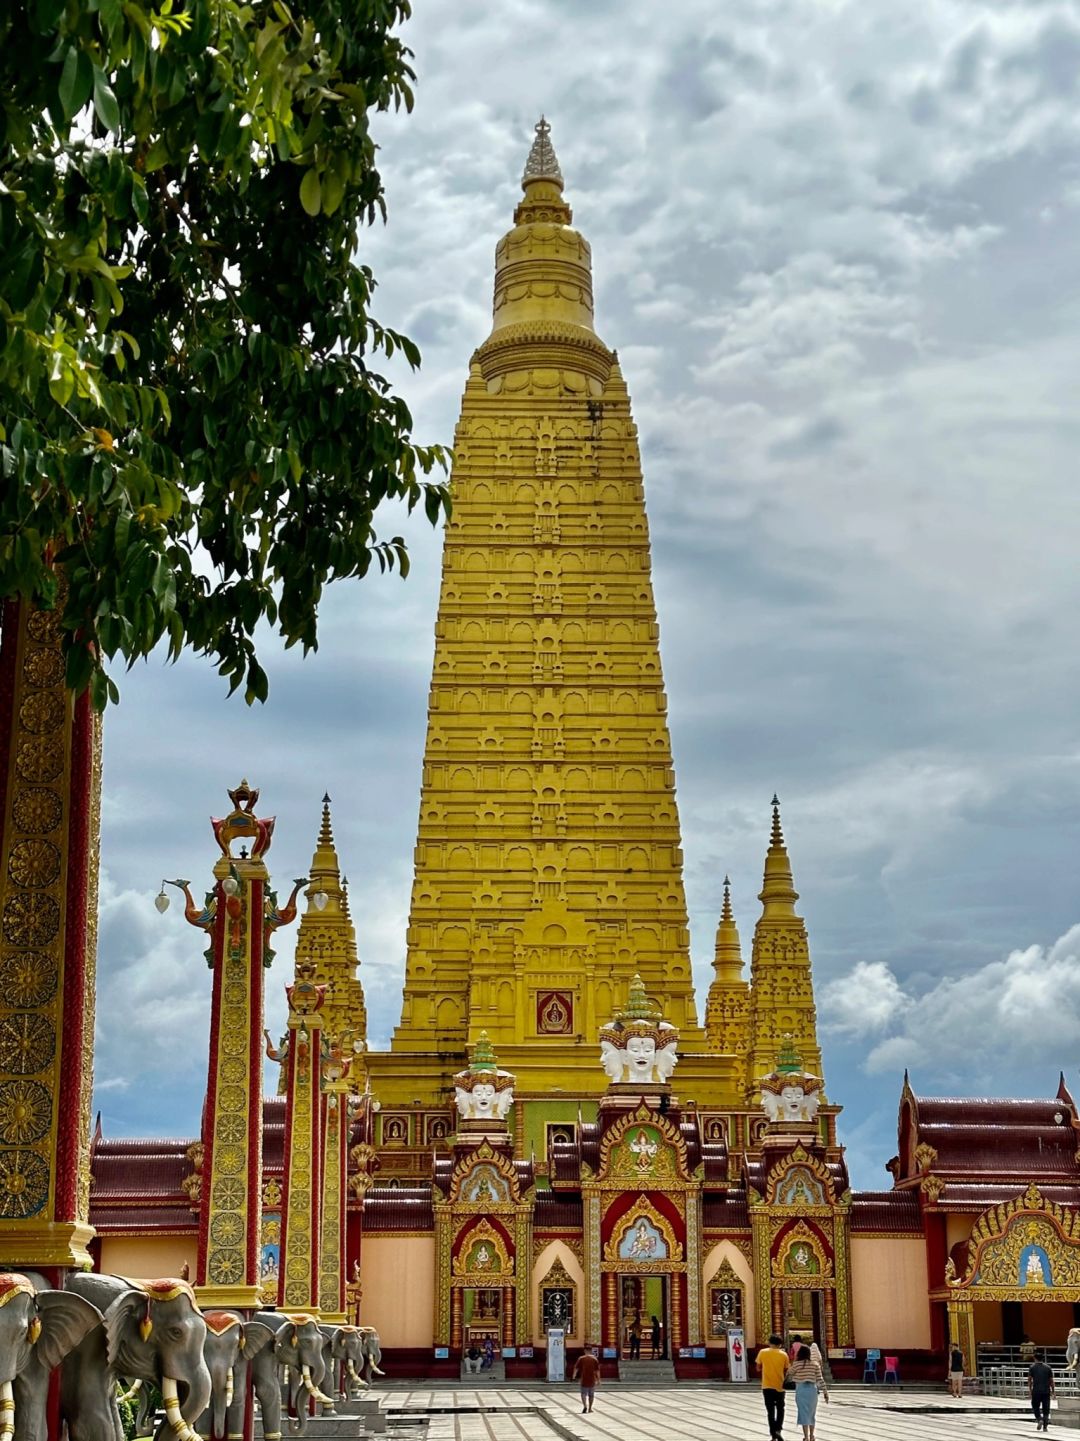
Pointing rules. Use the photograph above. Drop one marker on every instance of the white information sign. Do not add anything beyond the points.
(556, 1354)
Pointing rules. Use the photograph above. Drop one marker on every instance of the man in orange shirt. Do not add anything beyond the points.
(772, 1362)
(589, 1367)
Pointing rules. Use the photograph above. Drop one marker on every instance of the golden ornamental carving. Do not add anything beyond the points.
(1022, 1248)
(924, 1156)
(25, 1112)
(800, 1180)
(668, 1164)
(495, 1168)
(226, 1267)
(271, 1195)
(44, 625)
(31, 919)
(36, 810)
(24, 1184)
(27, 1042)
(28, 978)
(802, 1257)
(34, 863)
(192, 1189)
(42, 712)
(228, 1193)
(932, 1186)
(40, 759)
(44, 667)
(629, 1242)
(482, 1256)
(227, 1228)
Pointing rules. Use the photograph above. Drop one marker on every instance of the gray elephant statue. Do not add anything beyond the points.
(37, 1330)
(230, 1343)
(1072, 1349)
(260, 1364)
(372, 1353)
(298, 1351)
(152, 1331)
(345, 1360)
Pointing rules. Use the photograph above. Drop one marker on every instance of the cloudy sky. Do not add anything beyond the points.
(835, 244)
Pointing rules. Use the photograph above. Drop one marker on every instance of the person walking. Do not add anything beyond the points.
(772, 1362)
(793, 1349)
(655, 1337)
(809, 1383)
(956, 1372)
(635, 1339)
(589, 1368)
(1040, 1381)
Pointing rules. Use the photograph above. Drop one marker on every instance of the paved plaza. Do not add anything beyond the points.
(700, 1412)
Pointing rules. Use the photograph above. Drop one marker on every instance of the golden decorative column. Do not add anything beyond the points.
(337, 1083)
(612, 1310)
(457, 1301)
(50, 785)
(300, 1227)
(239, 915)
(962, 1331)
(508, 1328)
(676, 1339)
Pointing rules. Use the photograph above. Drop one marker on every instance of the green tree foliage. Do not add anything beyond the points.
(189, 427)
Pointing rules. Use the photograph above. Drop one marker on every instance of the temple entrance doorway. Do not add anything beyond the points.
(482, 1318)
(643, 1297)
(804, 1315)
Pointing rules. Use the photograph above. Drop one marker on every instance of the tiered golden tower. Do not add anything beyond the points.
(782, 1012)
(548, 865)
(727, 1010)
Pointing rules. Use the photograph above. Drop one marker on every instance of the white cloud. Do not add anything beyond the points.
(868, 998)
(997, 1018)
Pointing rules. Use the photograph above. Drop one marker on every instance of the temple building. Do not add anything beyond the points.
(556, 1136)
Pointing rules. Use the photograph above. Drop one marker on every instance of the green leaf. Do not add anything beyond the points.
(108, 112)
(69, 77)
(311, 192)
(333, 191)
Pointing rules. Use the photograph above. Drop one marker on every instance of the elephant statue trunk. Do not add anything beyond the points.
(354, 1375)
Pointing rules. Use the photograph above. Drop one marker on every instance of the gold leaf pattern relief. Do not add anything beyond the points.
(27, 1042)
(40, 758)
(34, 863)
(44, 626)
(25, 1112)
(28, 978)
(24, 1184)
(31, 919)
(37, 810)
(44, 666)
(42, 712)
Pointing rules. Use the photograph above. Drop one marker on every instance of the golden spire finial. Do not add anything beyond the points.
(727, 961)
(778, 894)
(542, 163)
(326, 830)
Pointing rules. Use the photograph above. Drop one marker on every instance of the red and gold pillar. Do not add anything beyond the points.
(335, 1163)
(508, 1315)
(457, 1299)
(50, 787)
(239, 914)
(612, 1316)
(302, 1201)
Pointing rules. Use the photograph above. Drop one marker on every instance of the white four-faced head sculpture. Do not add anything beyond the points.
(481, 1099)
(791, 1097)
(637, 1052)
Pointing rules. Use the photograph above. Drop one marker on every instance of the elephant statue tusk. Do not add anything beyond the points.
(311, 1388)
(229, 1389)
(375, 1370)
(131, 1393)
(7, 1410)
(180, 1427)
(354, 1374)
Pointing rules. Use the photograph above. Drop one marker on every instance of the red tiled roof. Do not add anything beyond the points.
(106, 1219)
(725, 1211)
(557, 1211)
(398, 1208)
(964, 1196)
(894, 1212)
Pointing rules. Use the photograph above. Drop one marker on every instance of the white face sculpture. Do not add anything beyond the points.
(640, 1057)
(793, 1102)
(483, 1098)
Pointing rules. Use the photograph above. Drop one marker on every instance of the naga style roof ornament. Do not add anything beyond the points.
(542, 163)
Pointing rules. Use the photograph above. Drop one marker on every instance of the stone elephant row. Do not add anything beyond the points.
(98, 1329)
(286, 1359)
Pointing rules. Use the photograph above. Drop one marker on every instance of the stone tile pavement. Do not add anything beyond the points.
(699, 1413)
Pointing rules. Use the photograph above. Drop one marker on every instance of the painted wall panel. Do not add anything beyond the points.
(888, 1293)
(398, 1276)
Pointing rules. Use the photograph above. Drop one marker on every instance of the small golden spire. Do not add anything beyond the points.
(778, 894)
(727, 962)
